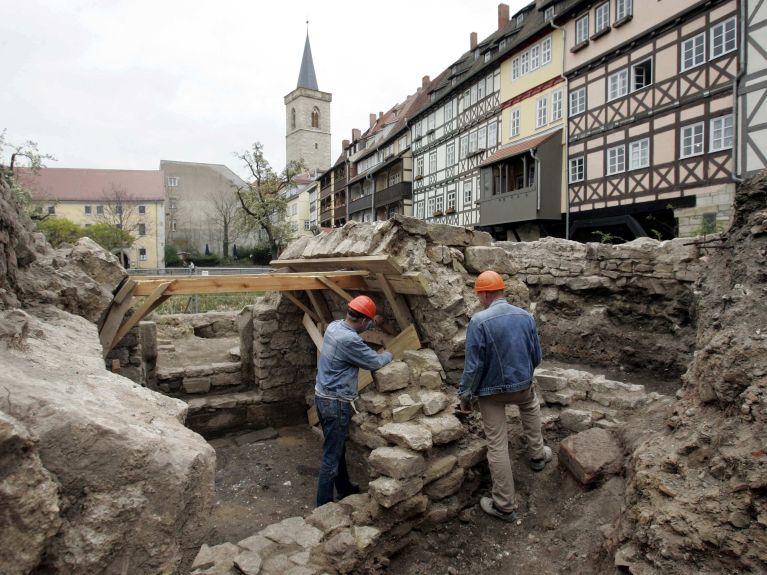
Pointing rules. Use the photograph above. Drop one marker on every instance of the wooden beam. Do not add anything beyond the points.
(376, 337)
(150, 303)
(301, 306)
(320, 305)
(116, 315)
(251, 283)
(397, 303)
(405, 341)
(410, 283)
(333, 286)
(313, 331)
(384, 264)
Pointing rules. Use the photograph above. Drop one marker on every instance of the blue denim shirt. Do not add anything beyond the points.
(343, 353)
(502, 351)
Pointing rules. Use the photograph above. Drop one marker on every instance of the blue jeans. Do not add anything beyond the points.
(334, 416)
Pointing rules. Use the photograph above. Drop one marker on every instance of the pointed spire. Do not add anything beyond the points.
(306, 77)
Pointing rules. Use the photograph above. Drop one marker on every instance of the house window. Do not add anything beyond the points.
(142, 210)
(617, 84)
(488, 56)
(450, 153)
(577, 101)
(548, 14)
(173, 225)
(430, 207)
(524, 63)
(464, 146)
(520, 19)
(481, 89)
(489, 82)
(432, 162)
(51, 210)
(639, 154)
(723, 38)
(515, 68)
(473, 98)
(316, 117)
(694, 51)
(472, 142)
(419, 210)
(173, 205)
(482, 138)
(417, 130)
(691, 140)
(467, 193)
(419, 166)
(577, 169)
(492, 134)
(431, 121)
(602, 18)
(502, 44)
(622, 9)
(402, 143)
(721, 133)
(582, 30)
(556, 105)
(142, 254)
(451, 200)
(142, 229)
(514, 123)
(641, 75)
(100, 209)
(172, 181)
(616, 160)
(535, 58)
(88, 210)
(545, 51)
(440, 203)
(292, 121)
(449, 111)
(541, 112)
(306, 225)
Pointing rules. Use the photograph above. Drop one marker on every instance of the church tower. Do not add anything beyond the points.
(307, 118)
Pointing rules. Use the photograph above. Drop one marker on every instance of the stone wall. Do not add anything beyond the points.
(211, 324)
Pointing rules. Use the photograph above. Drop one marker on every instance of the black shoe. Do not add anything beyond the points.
(488, 506)
(353, 490)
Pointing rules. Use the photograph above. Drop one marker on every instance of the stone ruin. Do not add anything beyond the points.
(108, 478)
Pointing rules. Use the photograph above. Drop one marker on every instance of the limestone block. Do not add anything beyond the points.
(196, 384)
(406, 412)
(256, 543)
(388, 491)
(619, 400)
(392, 377)
(411, 507)
(447, 235)
(443, 428)
(226, 379)
(410, 435)
(248, 562)
(447, 485)
(293, 530)
(575, 419)
(439, 467)
(302, 557)
(422, 360)
(365, 536)
(591, 455)
(481, 258)
(430, 380)
(278, 563)
(404, 399)
(472, 454)
(545, 381)
(329, 517)
(371, 439)
(198, 371)
(563, 397)
(362, 508)
(372, 402)
(443, 511)
(222, 556)
(433, 401)
(396, 462)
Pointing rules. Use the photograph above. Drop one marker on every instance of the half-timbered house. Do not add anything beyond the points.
(751, 123)
(650, 123)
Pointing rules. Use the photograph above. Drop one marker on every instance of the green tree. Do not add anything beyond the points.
(60, 231)
(109, 236)
(260, 198)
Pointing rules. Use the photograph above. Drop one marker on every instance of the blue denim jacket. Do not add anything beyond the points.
(502, 351)
(343, 353)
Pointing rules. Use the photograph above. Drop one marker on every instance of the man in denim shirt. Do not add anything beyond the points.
(502, 351)
(343, 354)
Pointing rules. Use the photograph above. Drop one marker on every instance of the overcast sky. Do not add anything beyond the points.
(126, 83)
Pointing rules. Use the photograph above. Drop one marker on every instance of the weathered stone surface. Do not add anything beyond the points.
(410, 435)
(255, 436)
(449, 235)
(365, 536)
(410, 508)
(443, 511)
(221, 556)
(373, 402)
(481, 258)
(575, 419)
(256, 543)
(591, 455)
(422, 360)
(396, 462)
(362, 507)
(439, 467)
(443, 428)
(406, 412)
(196, 384)
(341, 549)
(447, 485)
(388, 491)
(293, 530)
(473, 453)
(141, 481)
(97, 263)
(433, 401)
(392, 377)
(248, 562)
(430, 380)
(329, 517)
(549, 381)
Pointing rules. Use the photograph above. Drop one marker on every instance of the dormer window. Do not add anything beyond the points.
(502, 45)
(520, 18)
(488, 56)
(548, 14)
(476, 54)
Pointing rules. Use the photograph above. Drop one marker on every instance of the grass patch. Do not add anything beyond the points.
(202, 303)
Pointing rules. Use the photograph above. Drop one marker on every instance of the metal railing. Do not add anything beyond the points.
(199, 271)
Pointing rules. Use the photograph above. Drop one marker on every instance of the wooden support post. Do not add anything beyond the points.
(150, 303)
(397, 302)
(332, 285)
(120, 305)
(301, 306)
(320, 305)
(313, 331)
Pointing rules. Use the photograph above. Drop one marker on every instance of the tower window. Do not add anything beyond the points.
(315, 118)
(293, 118)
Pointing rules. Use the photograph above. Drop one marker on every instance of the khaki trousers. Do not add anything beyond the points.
(493, 409)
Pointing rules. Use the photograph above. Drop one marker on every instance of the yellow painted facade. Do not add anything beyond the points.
(148, 251)
(298, 212)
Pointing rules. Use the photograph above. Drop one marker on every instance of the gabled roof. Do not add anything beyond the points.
(516, 148)
(306, 77)
(220, 168)
(76, 184)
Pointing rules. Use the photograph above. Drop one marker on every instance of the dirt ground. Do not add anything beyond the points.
(193, 350)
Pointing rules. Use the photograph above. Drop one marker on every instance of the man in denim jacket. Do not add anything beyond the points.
(502, 351)
(343, 354)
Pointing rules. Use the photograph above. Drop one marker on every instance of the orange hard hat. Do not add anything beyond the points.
(489, 281)
(364, 305)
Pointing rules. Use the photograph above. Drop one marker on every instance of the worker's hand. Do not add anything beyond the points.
(465, 406)
(379, 320)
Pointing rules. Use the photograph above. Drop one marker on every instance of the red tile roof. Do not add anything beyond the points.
(517, 148)
(75, 184)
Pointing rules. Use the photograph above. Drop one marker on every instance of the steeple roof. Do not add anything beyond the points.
(306, 77)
